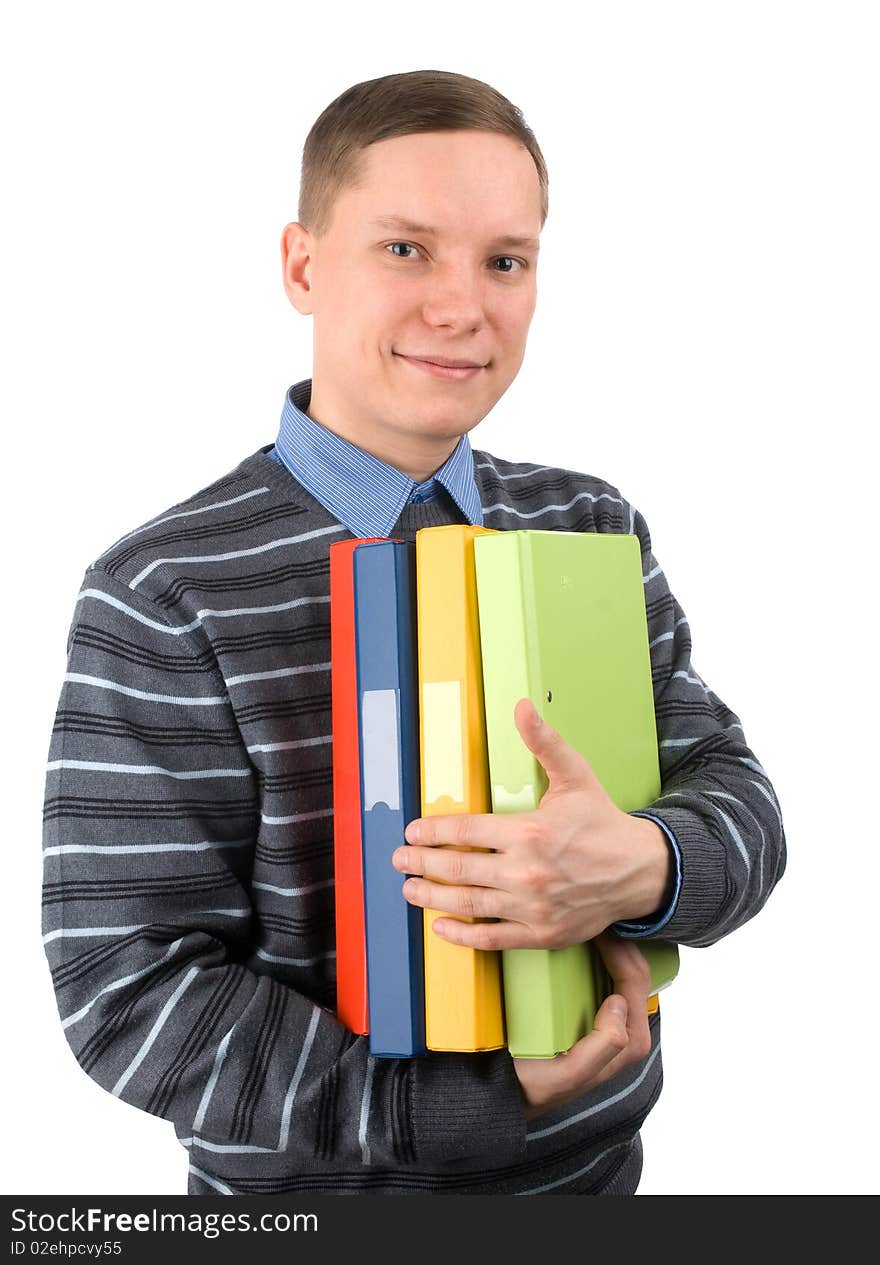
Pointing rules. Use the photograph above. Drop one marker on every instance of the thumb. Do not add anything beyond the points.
(593, 1059)
(615, 1005)
(611, 1024)
(564, 766)
(611, 1021)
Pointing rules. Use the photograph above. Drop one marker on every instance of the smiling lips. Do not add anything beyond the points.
(455, 370)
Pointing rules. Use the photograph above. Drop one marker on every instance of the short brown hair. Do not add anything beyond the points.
(398, 105)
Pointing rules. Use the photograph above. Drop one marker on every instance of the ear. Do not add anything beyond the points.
(296, 266)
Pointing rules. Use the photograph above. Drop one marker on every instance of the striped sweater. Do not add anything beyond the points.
(188, 856)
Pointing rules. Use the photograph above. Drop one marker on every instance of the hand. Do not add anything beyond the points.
(557, 876)
(620, 1036)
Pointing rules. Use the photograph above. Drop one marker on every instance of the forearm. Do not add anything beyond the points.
(730, 830)
(151, 812)
(715, 796)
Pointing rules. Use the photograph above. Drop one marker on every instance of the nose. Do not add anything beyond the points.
(454, 296)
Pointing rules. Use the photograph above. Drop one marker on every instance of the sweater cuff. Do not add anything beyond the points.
(464, 1106)
(640, 929)
(703, 875)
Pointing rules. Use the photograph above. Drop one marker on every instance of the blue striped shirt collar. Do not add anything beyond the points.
(362, 492)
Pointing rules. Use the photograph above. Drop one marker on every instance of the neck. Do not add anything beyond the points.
(418, 456)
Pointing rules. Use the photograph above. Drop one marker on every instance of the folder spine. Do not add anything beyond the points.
(351, 959)
(385, 607)
(463, 1001)
(503, 615)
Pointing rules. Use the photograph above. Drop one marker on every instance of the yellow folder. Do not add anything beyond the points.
(463, 993)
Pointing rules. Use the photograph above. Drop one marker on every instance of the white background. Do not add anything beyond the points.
(706, 338)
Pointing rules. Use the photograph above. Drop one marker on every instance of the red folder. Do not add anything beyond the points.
(351, 956)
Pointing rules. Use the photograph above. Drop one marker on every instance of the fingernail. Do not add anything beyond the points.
(618, 1006)
(413, 832)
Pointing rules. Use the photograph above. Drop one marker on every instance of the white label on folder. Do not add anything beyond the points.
(380, 750)
(441, 719)
(505, 801)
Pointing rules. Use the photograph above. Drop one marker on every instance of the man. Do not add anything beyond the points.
(188, 882)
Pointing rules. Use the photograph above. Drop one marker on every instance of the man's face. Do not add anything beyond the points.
(383, 295)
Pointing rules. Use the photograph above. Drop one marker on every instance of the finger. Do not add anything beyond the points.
(624, 961)
(638, 1044)
(506, 934)
(482, 830)
(632, 980)
(565, 767)
(469, 902)
(451, 864)
(622, 1031)
(587, 1062)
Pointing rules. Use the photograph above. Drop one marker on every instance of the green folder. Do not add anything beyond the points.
(563, 622)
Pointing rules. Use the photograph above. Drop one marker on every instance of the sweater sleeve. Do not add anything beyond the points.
(151, 814)
(716, 798)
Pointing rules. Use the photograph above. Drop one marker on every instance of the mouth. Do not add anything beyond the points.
(443, 367)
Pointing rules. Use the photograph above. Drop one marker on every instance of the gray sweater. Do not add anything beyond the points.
(188, 857)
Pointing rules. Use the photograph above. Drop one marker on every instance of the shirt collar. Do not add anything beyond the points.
(362, 492)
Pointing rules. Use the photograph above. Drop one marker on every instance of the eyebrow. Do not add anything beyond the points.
(424, 230)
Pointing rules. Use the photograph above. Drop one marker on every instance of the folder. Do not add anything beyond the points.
(351, 949)
(463, 1001)
(388, 734)
(563, 622)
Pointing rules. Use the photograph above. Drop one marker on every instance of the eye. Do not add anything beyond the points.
(510, 259)
(408, 245)
(504, 271)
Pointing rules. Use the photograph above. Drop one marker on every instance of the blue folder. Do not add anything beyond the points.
(388, 727)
